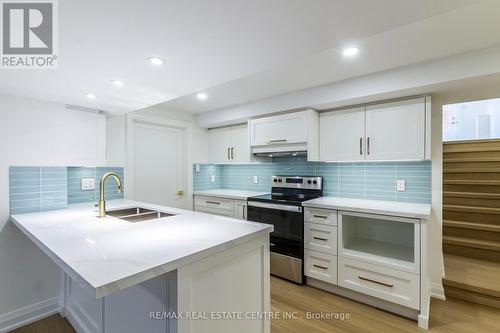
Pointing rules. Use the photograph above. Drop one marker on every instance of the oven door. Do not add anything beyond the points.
(286, 241)
(287, 237)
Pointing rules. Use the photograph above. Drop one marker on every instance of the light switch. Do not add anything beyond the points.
(400, 185)
(197, 167)
(255, 179)
(212, 178)
(88, 184)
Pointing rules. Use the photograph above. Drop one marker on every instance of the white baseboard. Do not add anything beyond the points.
(437, 290)
(28, 314)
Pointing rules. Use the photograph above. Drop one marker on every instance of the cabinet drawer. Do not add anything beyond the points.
(320, 237)
(382, 282)
(320, 266)
(322, 216)
(214, 211)
(214, 202)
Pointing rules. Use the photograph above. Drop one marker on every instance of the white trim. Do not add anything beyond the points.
(28, 314)
(189, 158)
(437, 290)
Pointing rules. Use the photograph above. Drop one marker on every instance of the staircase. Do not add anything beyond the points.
(471, 220)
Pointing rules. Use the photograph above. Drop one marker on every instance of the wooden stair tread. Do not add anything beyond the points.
(475, 275)
(471, 225)
(470, 149)
(474, 209)
(471, 159)
(474, 243)
(456, 194)
(471, 170)
(472, 182)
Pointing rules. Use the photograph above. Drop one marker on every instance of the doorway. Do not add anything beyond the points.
(159, 164)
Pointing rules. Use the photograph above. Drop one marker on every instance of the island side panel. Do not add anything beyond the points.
(233, 281)
(140, 308)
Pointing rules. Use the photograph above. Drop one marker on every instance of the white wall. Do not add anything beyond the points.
(36, 133)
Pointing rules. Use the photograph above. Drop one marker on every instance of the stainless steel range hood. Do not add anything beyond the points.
(280, 150)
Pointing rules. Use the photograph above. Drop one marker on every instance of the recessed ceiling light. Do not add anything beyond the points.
(201, 96)
(155, 61)
(350, 52)
(90, 96)
(117, 83)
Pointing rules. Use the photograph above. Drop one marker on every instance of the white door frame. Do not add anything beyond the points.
(187, 129)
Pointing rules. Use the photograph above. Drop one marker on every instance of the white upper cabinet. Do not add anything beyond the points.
(240, 147)
(229, 144)
(396, 131)
(282, 129)
(384, 132)
(289, 132)
(342, 135)
(219, 143)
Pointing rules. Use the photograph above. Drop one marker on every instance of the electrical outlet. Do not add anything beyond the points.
(88, 184)
(197, 167)
(255, 179)
(212, 178)
(400, 185)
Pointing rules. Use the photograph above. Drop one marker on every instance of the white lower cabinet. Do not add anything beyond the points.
(221, 206)
(361, 254)
(320, 237)
(379, 281)
(240, 209)
(320, 244)
(320, 266)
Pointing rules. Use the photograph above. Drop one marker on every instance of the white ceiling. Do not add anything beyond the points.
(240, 50)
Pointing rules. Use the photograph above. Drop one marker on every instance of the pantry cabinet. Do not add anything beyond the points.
(229, 145)
(383, 132)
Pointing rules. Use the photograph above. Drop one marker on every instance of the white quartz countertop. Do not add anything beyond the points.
(229, 194)
(403, 209)
(110, 254)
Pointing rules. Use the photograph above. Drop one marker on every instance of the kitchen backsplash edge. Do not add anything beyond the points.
(363, 180)
(35, 188)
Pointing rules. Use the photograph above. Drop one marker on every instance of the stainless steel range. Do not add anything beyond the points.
(283, 209)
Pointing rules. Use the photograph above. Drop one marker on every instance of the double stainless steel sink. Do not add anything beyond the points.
(137, 214)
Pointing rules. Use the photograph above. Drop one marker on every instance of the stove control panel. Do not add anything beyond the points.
(304, 182)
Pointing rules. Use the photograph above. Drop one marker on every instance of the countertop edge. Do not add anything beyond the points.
(129, 281)
(148, 274)
(369, 210)
(58, 261)
(227, 196)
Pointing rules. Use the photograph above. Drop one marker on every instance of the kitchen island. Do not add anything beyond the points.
(184, 272)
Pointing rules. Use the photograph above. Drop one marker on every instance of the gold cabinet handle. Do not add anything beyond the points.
(320, 216)
(180, 193)
(232, 153)
(319, 266)
(277, 141)
(320, 238)
(213, 202)
(377, 282)
(228, 153)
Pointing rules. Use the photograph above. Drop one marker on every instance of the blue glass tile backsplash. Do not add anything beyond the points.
(370, 180)
(35, 189)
